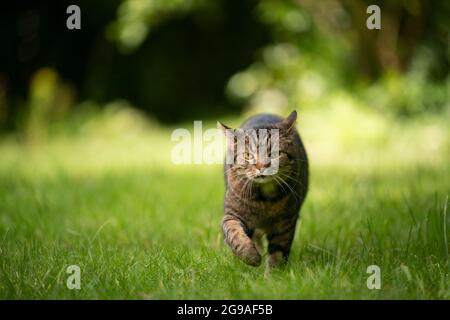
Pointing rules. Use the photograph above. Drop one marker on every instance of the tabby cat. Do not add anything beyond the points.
(261, 202)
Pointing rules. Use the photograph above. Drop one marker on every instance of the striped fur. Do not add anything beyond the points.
(253, 209)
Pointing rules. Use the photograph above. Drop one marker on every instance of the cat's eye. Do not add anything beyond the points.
(248, 156)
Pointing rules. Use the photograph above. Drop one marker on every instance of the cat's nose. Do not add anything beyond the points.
(260, 165)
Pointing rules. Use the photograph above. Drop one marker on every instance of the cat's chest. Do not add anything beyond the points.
(270, 201)
(265, 201)
(269, 190)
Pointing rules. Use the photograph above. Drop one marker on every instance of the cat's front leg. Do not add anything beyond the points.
(237, 237)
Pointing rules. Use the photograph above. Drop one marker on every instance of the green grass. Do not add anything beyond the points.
(106, 198)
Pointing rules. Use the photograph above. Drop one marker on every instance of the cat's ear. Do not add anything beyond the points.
(227, 132)
(289, 123)
(222, 127)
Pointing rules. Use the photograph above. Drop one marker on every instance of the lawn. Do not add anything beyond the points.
(105, 196)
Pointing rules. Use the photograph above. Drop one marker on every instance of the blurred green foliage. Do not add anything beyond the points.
(320, 50)
(198, 59)
(135, 18)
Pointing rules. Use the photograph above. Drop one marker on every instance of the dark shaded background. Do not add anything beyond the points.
(181, 68)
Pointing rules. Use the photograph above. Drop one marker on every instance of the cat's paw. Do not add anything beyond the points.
(276, 259)
(251, 256)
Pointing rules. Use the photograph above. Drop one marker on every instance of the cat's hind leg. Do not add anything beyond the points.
(279, 244)
(258, 240)
(237, 236)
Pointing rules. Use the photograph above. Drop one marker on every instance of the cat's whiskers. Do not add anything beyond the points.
(248, 189)
(228, 170)
(244, 182)
(281, 186)
(271, 159)
(288, 176)
(290, 188)
(240, 179)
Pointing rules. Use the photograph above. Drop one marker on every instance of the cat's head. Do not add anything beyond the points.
(263, 153)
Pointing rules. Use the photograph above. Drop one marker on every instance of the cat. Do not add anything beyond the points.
(259, 202)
